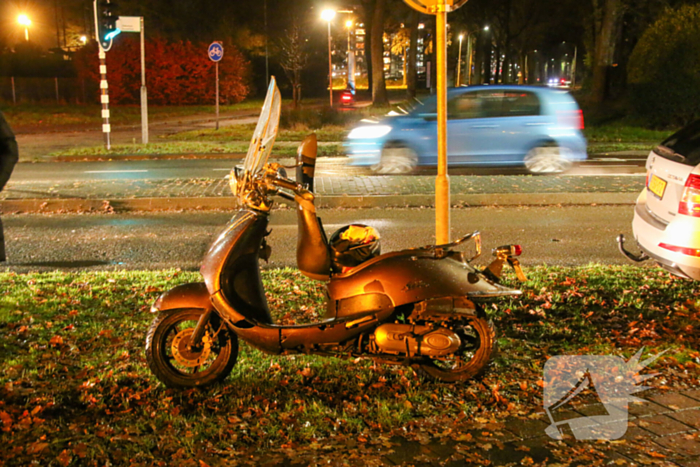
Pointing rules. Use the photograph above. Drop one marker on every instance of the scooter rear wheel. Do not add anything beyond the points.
(175, 364)
(471, 360)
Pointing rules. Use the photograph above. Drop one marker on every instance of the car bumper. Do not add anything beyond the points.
(364, 152)
(681, 231)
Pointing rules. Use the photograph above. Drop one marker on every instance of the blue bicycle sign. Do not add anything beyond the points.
(216, 52)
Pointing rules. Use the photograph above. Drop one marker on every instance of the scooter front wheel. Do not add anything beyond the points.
(175, 363)
(471, 360)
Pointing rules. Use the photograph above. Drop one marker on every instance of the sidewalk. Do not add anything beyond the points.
(661, 431)
(332, 191)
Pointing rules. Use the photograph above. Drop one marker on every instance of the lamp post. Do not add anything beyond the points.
(24, 20)
(328, 15)
(351, 57)
(459, 60)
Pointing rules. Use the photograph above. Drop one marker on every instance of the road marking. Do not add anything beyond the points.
(606, 175)
(113, 171)
(614, 159)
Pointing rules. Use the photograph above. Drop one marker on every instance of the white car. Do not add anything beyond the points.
(666, 221)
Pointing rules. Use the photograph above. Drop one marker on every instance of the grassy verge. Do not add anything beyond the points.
(186, 148)
(601, 148)
(618, 133)
(245, 132)
(74, 385)
(48, 115)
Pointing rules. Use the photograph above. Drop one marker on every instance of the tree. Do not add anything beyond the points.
(177, 72)
(664, 69)
(411, 81)
(400, 43)
(607, 18)
(294, 58)
(374, 20)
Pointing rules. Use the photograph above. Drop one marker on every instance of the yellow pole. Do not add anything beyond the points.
(459, 62)
(442, 182)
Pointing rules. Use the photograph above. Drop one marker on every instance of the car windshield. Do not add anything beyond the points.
(685, 142)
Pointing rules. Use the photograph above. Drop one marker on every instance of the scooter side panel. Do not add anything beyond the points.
(304, 337)
(231, 266)
(413, 277)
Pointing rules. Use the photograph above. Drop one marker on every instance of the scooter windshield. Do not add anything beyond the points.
(265, 131)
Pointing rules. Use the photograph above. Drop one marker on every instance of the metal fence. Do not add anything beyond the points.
(21, 90)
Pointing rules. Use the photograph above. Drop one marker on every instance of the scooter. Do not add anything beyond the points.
(420, 307)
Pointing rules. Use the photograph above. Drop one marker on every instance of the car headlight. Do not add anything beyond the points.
(369, 132)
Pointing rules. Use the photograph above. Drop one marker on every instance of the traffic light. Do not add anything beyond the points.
(106, 18)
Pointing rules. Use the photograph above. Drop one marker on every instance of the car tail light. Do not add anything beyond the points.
(570, 118)
(681, 249)
(690, 201)
(648, 178)
(347, 97)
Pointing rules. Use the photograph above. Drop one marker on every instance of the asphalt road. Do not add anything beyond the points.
(218, 168)
(549, 235)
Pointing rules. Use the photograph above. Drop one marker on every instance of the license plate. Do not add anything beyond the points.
(657, 186)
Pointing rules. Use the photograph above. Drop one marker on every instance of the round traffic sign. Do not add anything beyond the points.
(216, 51)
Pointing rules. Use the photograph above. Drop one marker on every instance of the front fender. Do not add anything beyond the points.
(194, 295)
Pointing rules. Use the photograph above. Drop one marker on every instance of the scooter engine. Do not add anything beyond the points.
(410, 340)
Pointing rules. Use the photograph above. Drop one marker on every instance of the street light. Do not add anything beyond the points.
(328, 15)
(351, 57)
(459, 60)
(24, 20)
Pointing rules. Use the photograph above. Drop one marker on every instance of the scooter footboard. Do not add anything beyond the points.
(194, 295)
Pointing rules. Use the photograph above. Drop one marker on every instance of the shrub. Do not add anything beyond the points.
(177, 73)
(317, 118)
(664, 69)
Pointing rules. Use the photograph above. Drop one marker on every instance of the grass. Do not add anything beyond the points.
(52, 115)
(620, 133)
(74, 384)
(186, 148)
(245, 132)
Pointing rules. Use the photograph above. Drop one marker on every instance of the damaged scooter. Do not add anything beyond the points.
(420, 307)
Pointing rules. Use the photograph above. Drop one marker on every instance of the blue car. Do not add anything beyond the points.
(536, 127)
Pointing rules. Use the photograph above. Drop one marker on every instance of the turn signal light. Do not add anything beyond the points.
(508, 250)
(690, 201)
(681, 249)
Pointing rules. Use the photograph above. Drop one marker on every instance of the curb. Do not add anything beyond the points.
(380, 201)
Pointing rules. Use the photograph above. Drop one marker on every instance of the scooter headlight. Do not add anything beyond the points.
(369, 132)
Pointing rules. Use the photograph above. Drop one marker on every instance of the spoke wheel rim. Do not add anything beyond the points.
(396, 160)
(184, 362)
(546, 160)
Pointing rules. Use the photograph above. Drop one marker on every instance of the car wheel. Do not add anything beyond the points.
(547, 159)
(396, 160)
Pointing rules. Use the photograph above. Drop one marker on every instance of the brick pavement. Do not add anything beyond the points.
(661, 431)
(332, 191)
(327, 186)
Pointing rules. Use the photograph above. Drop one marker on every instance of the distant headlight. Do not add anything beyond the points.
(369, 132)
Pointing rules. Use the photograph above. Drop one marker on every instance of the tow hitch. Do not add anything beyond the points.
(629, 255)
